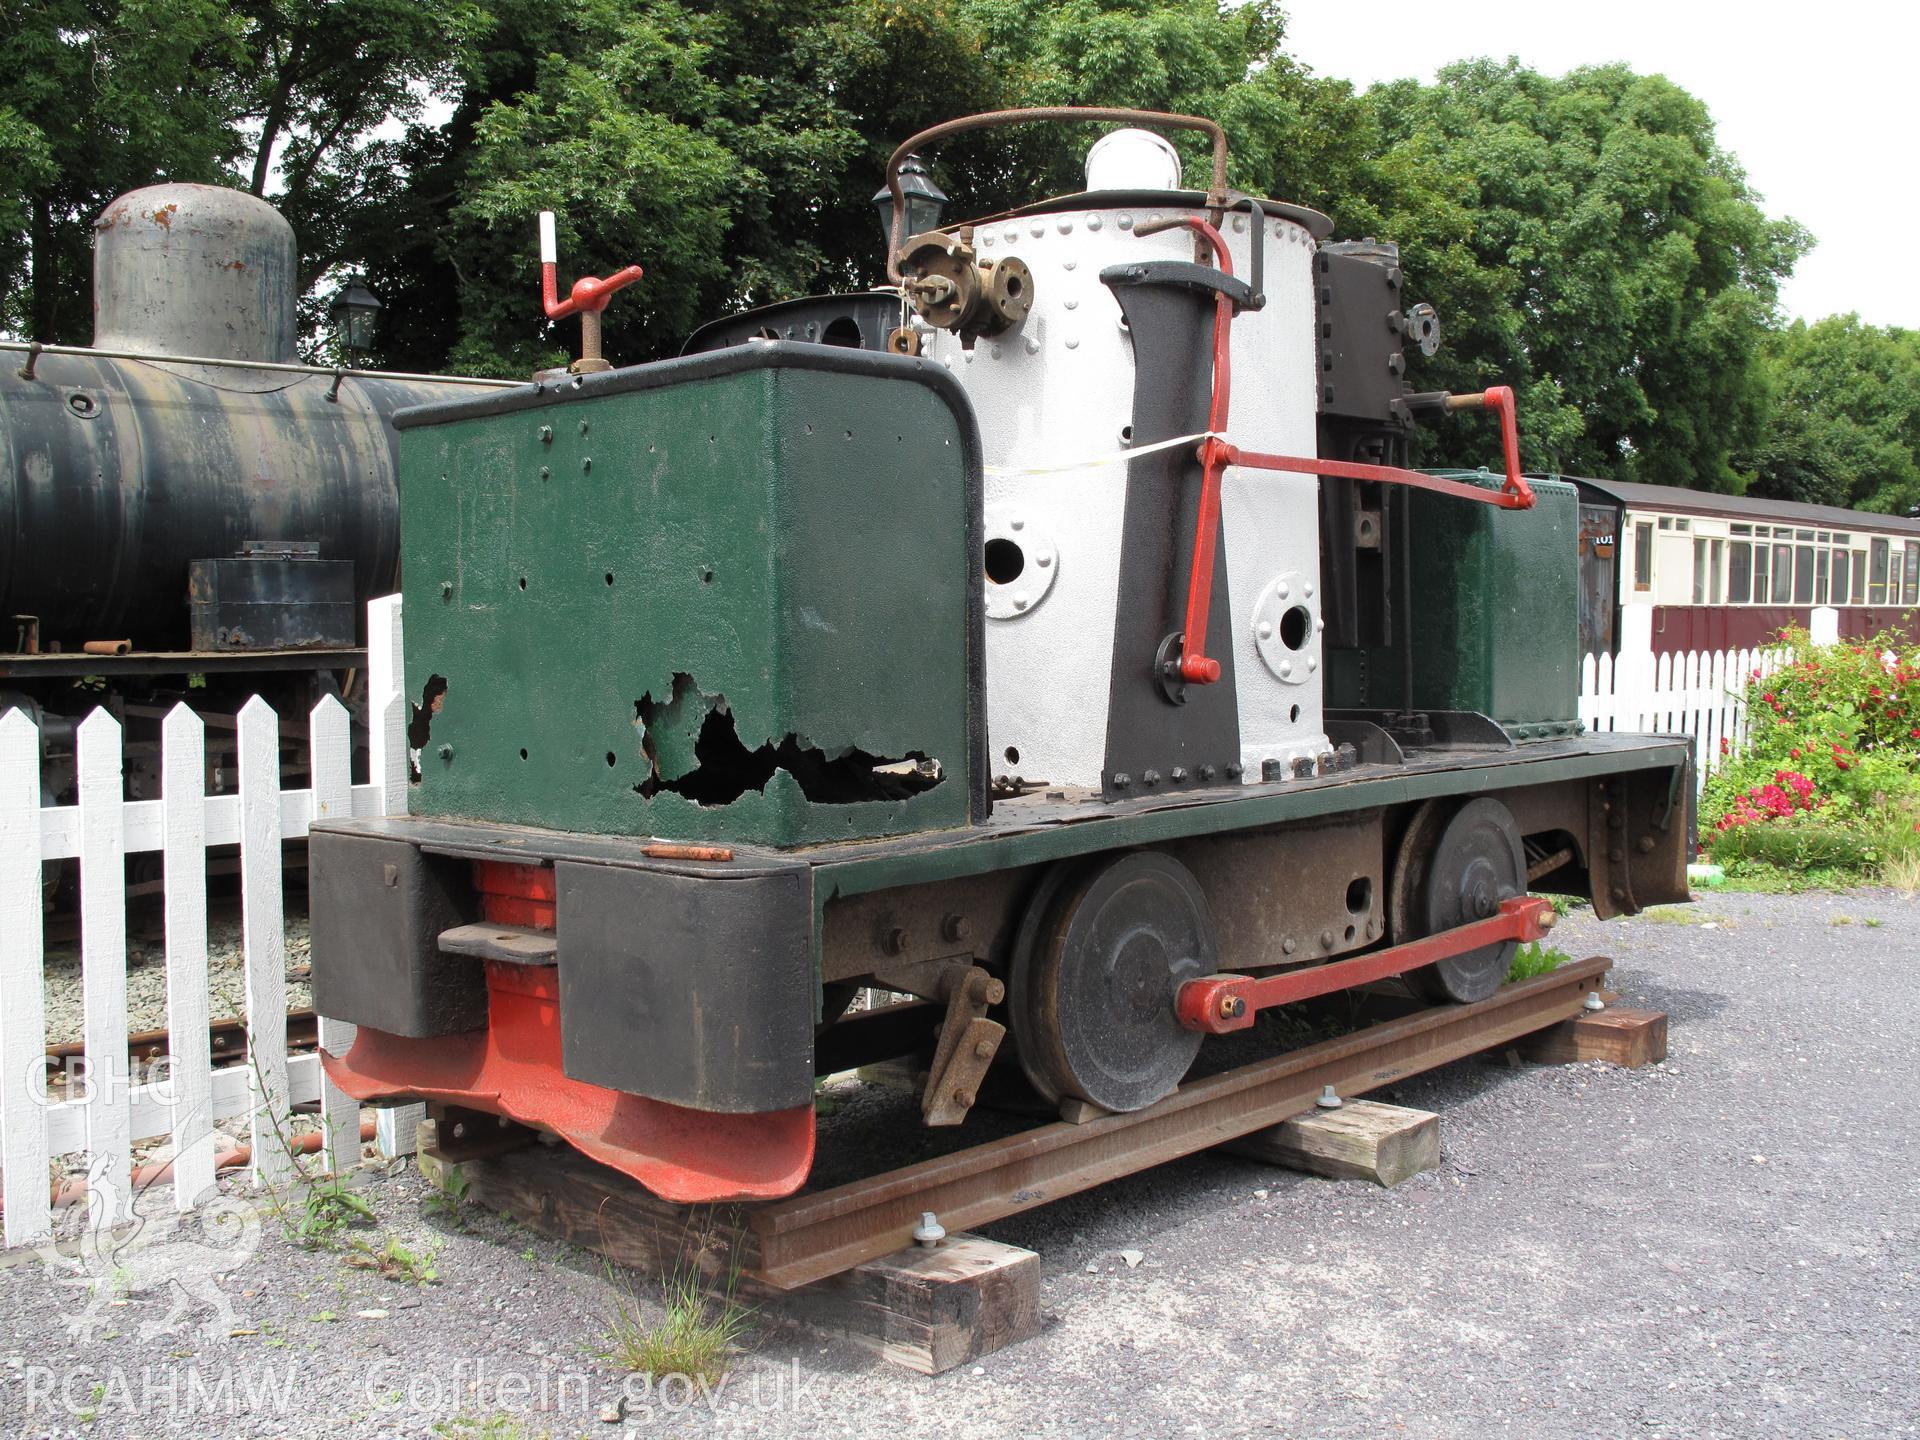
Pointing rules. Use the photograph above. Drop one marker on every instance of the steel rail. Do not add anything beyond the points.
(812, 1236)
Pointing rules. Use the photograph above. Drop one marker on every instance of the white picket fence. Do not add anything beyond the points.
(116, 1108)
(1692, 693)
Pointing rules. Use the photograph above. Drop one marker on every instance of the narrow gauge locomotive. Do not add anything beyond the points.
(183, 499)
(1091, 668)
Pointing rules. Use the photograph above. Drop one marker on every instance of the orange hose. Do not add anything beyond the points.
(73, 1190)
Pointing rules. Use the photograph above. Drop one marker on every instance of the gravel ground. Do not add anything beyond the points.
(1720, 1246)
(147, 978)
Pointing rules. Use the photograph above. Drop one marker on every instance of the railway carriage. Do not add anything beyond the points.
(1079, 658)
(1728, 571)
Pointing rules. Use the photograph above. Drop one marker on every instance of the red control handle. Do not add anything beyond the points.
(589, 293)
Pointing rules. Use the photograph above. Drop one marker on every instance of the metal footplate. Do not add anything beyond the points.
(515, 944)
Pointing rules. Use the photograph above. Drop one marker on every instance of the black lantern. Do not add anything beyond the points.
(926, 202)
(353, 312)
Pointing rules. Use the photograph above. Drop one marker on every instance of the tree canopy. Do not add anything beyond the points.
(1844, 405)
(1584, 237)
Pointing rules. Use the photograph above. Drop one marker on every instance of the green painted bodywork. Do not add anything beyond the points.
(785, 539)
(1495, 614)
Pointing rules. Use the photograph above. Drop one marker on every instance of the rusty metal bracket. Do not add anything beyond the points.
(967, 1044)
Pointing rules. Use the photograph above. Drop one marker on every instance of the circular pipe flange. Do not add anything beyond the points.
(1020, 562)
(1286, 628)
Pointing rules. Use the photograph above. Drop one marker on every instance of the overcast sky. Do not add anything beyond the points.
(1817, 102)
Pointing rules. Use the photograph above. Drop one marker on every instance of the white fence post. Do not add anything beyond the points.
(183, 809)
(263, 938)
(331, 756)
(103, 968)
(23, 1030)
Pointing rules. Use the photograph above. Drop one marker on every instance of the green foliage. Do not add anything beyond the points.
(1615, 267)
(283, 97)
(696, 1336)
(1584, 238)
(326, 1208)
(1844, 416)
(1534, 959)
(396, 1260)
(489, 1427)
(1828, 778)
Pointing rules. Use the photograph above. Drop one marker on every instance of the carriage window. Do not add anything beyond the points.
(1683, 523)
(1762, 568)
(1841, 560)
(1802, 573)
(1739, 572)
(1666, 522)
(1715, 563)
(1913, 572)
(1859, 577)
(1782, 574)
(1743, 529)
(1699, 571)
(1820, 560)
(1643, 556)
(1877, 583)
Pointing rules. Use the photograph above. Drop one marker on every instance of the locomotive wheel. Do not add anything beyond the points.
(1101, 954)
(1454, 869)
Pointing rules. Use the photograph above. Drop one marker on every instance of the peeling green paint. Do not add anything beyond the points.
(601, 577)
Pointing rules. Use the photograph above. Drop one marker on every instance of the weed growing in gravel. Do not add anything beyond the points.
(324, 1208)
(696, 1337)
(489, 1427)
(396, 1260)
(1535, 959)
(1684, 915)
(448, 1197)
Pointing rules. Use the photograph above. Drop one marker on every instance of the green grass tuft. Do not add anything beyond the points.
(1535, 959)
(696, 1337)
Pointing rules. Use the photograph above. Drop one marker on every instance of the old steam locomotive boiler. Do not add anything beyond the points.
(1077, 655)
(186, 511)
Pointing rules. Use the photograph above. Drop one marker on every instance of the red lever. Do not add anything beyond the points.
(590, 292)
(587, 299)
